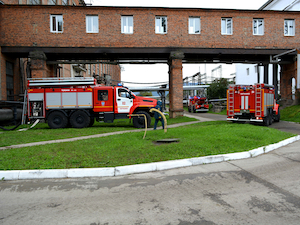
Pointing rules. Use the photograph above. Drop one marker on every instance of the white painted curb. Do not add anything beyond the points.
(139, 168)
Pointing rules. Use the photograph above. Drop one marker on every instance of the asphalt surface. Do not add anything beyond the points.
(260, 190)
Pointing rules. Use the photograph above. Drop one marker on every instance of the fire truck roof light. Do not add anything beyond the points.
(120, 84)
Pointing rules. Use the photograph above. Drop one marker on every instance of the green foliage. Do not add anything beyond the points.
(145, 93)
(217, 89)
(201, 139)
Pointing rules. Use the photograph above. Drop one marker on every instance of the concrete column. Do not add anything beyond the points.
(176, 84)
(38, 64)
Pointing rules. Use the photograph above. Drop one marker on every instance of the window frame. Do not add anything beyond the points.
(192, 21)
(289, 33)
(227, 19)
(127, 28)
(159, 27)
(258, 32)
(94, 18)
(52, 30)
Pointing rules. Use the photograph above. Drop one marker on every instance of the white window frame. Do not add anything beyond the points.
(54, 28)
(289, 27)
(225, 30)
(258, 27)
(161, 25)
(194, 25)
(127, 24)
(92, 24)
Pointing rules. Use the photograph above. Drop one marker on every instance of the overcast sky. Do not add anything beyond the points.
(159, 72)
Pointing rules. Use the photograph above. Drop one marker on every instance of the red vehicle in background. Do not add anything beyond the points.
(253, 103)
(198, 104)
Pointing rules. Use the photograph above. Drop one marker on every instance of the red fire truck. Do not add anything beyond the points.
(79, 101)
(198, 104)
(254, 103)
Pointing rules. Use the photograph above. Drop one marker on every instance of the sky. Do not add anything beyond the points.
(143, 75)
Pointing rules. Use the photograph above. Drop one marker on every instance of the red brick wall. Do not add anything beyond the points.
(30, 26)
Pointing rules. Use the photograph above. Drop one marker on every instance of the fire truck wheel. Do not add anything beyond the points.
(277, 117)
(80, 119)
(139, 122)
(271, 117)
(266, 120)
(92, 121)
(190, 109)
(57, 119)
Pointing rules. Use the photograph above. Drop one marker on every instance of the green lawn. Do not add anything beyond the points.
(201, 139)
(291, 113)
(42, 132)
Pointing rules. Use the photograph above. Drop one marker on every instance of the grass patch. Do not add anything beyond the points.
(201, 139)
(42, 132)
(291, 113)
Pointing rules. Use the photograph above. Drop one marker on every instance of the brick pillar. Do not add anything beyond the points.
(38, 64)
(176, 84)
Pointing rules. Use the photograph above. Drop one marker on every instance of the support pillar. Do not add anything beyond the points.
(266, 73)
(175, 84)
(38, 64)
(275, 79)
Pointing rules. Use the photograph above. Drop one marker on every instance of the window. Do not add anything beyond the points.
(127, 24)
(161, 24)
(92, 24)
(35, 2)
(65, 2)
(51, 2)
(56, 23)
(102, 95)
(194, 25)
(289, 27)
(124, 93)
(258, 27)
(226, 26)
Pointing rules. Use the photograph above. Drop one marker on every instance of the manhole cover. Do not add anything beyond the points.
(168, 140)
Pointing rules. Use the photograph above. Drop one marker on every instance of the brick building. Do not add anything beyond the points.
(148, 35)
(14, 71)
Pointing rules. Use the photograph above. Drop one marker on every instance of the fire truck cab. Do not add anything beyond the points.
(198, 104)
(79, 101)
(254, 103)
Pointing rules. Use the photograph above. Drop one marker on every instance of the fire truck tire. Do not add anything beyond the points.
(92, 121)
(190, 109)
(271, 117)
(277, 117)
(57, 120)
(80, 119)
(139, 122)
(194, 109)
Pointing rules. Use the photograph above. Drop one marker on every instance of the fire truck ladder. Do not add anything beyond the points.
(258, 98)
(52, 82)
(231, 101)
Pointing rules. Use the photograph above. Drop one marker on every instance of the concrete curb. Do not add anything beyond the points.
(139, 168)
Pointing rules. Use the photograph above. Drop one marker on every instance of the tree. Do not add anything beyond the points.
(218, 89)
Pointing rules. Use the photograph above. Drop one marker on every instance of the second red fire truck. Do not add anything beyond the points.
(79, 101)
(198, 104)
(253, 103)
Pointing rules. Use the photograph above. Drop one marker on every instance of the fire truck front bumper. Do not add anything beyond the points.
(244, 120)
(202, 110)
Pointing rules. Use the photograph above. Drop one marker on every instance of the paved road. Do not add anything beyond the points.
(261, 190)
